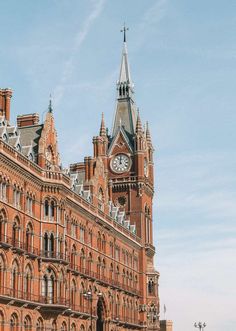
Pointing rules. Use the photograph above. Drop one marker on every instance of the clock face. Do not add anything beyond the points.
(120, 163)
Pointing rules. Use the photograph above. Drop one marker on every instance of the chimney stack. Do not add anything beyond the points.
(27, 120)
(5, 103)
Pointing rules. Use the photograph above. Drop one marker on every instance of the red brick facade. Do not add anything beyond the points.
(76, 245)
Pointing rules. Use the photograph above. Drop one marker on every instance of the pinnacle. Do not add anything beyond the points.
(148, 135)
(102, 127)
(139, 128)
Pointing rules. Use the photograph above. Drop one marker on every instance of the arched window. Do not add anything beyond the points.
(82, 259)
(73, 327)
(16, 232)
(48, 245)
(89, 263)
(39, 325)
(14, 322)
(123, 276)
(2, 225)
(27, 323)
(15, 278)
(151, 287)
(99, 241)
(73, 257)
(52, 210)
(117, 306)
(29, 238)
(73, 292)
(81, 295)
(103, 268)
(2, 273)
(46, 208)
(111, 272)
(82, 328)
(48, 286)
(64, 326)
(99, 267)
(104, 243)
(28, 282)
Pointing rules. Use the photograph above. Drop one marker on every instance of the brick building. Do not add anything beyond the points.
(76, 245)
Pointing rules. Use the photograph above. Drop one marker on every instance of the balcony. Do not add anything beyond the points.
(99, 277)
(9, 294)
(54, 256)
(127, 322)
(5, 241)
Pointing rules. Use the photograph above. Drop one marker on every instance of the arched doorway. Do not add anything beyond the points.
(100, 315)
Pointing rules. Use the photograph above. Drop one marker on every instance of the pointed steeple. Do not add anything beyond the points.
(139, 128)
(50, 104)
(126, 111)
(102, 127)
(148, 135)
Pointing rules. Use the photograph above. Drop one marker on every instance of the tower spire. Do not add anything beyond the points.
(125, 107)
(50, 104)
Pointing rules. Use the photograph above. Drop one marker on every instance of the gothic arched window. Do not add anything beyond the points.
(27, 323)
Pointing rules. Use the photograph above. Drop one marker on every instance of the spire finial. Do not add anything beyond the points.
(50, 104)
(124, 31)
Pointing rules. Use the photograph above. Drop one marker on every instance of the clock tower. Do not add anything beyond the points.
(128, 158)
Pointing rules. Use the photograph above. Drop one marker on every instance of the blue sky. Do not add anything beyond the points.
(183, 62)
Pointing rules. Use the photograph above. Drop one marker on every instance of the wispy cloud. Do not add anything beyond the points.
(78, 41)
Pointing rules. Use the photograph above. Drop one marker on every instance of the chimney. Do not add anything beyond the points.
(5, 101)
(27, 120)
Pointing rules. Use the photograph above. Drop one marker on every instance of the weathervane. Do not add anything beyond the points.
(124, 30)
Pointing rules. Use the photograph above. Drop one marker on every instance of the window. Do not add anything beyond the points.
(73, 292)
(2, 225)
(15, 278)
(29, 204)
(3, 191)
(82, 234)
(29, 238)
(2, 271)
(151, 287)
(16, 232)
(14, 322)
(27, 323)
(99, 241)
(48, 245)
(73, 257)
(103, 243)
(117, 254)
(28, 282)
(17, 197)
(48, 286)
(39, 325)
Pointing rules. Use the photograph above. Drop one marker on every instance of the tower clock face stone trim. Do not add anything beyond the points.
(120, 163)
